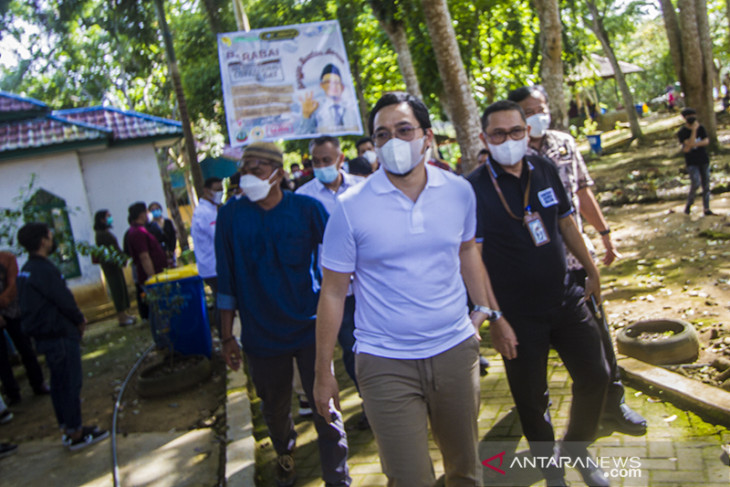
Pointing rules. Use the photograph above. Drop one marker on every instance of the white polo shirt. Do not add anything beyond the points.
(317, 190)
(411, 300)
(202, 230)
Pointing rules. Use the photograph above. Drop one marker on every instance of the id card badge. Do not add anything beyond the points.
(534, 225)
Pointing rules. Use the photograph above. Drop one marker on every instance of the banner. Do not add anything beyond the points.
(290, 82)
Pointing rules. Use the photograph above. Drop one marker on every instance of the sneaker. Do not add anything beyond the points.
(710, 213)
(6, 416)
(305, 410)
(89, 436)
(286, 474)
(7, 449)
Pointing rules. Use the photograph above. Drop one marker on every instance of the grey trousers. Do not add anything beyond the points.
(272, 377)
(402, 396)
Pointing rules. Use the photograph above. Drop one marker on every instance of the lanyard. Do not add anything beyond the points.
(501, 196)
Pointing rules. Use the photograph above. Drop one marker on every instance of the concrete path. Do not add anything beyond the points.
(680, 449)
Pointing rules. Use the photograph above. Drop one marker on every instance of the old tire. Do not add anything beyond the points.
(151, 383)
(681, 347)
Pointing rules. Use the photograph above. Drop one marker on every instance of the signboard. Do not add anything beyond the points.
(290, 82)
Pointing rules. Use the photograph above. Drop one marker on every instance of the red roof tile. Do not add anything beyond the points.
(125, 125)
(44, 132)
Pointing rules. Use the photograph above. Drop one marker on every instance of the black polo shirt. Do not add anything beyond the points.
(525, 278)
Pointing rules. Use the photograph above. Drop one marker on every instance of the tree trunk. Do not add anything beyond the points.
(709, 76)
(628, 100)
(241, 17)
(551, 67)
(458, 90)
(397, 35)
(170, 200)
(362, 103)
(214, 20)
(671, 25)
(192, 156)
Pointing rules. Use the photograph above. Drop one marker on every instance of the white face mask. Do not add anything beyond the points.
(370, 155)
(539, 123)
(509, 152)
(254, 188)
(400, 156)
(218, 197)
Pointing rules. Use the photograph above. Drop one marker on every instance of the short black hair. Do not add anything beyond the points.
(483, 151)
(330, 69)
(500, 106)
(31, 234)
(526, 91)
(363, 140)
(360, 166)
(324, 139)
(211, 181)
(154, 203)
(688, 111)
(234, 180)
(420, 111)
(100, 220)
(136, 209)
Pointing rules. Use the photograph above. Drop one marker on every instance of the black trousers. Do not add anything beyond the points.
(25, 348)
(573, 332)
(615, 394)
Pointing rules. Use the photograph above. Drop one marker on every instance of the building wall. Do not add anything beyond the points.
(117, 177)
(60, 174)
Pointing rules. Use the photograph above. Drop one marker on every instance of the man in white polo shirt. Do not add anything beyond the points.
(406, 235)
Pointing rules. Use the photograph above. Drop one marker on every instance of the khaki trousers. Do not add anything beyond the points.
(402, 396)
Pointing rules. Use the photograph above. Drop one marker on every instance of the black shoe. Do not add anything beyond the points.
(362, 422)
(586, 465)
(89, 436)
(483, 366)
(625, 420)
(710, 213)
(286, 474)
(7, 449)
(42, 390)
(686, 210)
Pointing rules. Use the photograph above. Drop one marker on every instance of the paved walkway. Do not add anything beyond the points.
(680, 449)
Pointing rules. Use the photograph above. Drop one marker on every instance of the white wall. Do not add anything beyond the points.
(117, 177)
(60, 174)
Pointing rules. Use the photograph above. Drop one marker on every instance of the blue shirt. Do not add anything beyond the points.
(266, 262)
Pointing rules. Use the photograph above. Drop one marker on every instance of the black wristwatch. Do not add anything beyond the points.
(492, 314)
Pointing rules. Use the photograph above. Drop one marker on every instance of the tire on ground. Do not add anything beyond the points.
(149, 384)
(682, 346)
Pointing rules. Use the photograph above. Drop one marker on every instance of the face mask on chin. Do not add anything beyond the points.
(254, 188)
(539, 123)
(401, 156)
(509, 152)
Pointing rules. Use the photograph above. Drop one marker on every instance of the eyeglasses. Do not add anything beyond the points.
(499, 136)
(403, 132)
(249, 164)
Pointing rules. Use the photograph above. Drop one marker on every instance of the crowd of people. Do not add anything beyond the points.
(400, 261)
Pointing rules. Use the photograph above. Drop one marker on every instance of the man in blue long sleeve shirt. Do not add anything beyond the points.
(266, 260)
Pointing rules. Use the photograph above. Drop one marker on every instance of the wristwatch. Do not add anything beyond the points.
(492, 314)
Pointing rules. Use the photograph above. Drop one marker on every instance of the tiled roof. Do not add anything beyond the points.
(45, 132)
(27, 124)
(125, 125)
(10, 103)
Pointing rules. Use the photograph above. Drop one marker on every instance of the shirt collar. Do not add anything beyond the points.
(497, 169)
(381, 184)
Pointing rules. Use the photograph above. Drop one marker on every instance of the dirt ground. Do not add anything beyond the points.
(669, 269)
(109, 352)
